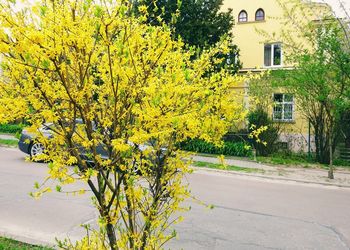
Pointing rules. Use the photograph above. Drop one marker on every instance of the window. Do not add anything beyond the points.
(243, 16)
(283, 107)
(272, 55)
(260, 15)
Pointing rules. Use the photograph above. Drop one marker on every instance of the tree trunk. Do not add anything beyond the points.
(321, 143)
(131, 217)
(104, 211)
(317, 144)
(330, 171)
(111, 236)
(322, 140)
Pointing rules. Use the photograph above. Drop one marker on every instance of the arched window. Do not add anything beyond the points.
(260, 15)
(243, 16)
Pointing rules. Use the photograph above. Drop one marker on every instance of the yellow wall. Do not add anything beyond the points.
(251, 36)
(249, 41)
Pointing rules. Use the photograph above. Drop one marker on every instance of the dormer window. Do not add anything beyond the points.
(243, 16)
(260, 15)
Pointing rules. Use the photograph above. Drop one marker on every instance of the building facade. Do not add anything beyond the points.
(263, 32)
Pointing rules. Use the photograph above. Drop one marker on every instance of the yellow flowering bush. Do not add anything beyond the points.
(137, 94)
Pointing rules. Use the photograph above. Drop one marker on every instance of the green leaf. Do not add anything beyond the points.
(187, 75)
(27, 57)
(174, 233)
(98, 11)
(43, 10)
(45, 64)
(211, 206)
(179, 4)
(50, 165)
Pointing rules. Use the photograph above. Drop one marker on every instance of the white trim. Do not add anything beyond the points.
(283, 103)
(272, 55)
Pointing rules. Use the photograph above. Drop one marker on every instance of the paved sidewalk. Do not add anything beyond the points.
(287, 173)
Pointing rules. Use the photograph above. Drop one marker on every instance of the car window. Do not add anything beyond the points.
(47, 126)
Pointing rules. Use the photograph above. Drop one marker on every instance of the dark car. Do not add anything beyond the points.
(29, 145)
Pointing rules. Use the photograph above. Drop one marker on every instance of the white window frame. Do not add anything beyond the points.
(282, 119)
(272, 57)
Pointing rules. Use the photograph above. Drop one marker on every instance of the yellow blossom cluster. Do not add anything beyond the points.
(108, 82)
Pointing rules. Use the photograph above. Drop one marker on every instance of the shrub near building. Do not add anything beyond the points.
(228, 148)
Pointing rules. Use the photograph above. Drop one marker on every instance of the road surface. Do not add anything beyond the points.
(249, 213)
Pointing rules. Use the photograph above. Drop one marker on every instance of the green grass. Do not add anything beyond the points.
(9, 244)
(228, 167)
(299, 161)
(285, 160)
(9, 142)
(340, 162)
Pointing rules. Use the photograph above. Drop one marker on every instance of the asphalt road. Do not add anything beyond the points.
(249, 213)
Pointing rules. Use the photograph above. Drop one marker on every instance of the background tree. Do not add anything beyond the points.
(200, 24)
(321, 84)
(316, 43)
(345, 127)
(138, 94)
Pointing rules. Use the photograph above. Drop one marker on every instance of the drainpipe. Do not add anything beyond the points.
(309, 142)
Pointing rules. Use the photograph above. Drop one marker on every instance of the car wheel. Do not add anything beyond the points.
(36, 149)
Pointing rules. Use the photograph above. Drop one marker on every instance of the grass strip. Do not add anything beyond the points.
(9, 142)
(228, 167)
(10, 244)
(299, 162)
(277, 160)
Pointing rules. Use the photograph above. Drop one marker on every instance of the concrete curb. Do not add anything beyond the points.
(28, 240)
(7, 146)
(269, 177)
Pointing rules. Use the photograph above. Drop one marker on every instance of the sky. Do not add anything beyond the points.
(335, 4)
